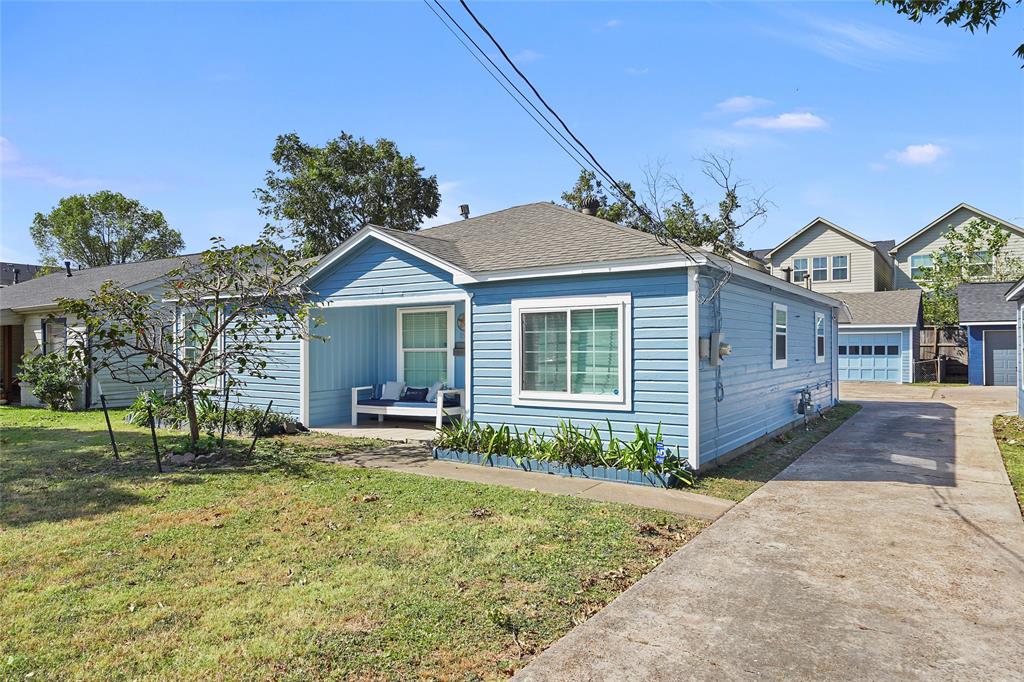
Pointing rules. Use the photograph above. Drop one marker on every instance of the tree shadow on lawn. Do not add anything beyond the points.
(60, 474)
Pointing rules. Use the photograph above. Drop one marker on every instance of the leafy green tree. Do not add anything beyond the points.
(228, 307)
(617, 210)
(968, 14)
(973, 252)
(105, 228)
(325, 194)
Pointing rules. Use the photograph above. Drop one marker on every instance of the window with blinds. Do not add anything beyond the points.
(424, 347)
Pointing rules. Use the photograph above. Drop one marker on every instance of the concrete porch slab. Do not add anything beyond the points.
(400, 431)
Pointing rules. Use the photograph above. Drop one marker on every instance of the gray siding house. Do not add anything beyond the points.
(916, 250)
(828, 258)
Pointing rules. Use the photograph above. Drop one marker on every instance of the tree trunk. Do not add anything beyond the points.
(193, 419)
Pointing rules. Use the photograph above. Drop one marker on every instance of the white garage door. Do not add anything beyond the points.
(869, 357)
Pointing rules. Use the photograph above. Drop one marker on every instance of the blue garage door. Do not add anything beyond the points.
(869, 357)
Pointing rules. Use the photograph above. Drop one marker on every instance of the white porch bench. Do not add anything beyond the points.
(405, 408)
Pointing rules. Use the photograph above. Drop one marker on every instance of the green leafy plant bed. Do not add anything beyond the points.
(602, 473)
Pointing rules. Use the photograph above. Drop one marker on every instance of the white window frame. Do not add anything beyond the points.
(913, 267)
(819, 333)
(806, 269)
(449, 311)
(814, 269)
(832, 267)
(623, 401)
(784, 362)
(217, 382)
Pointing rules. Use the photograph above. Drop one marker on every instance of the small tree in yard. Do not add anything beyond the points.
(218, 315)
(973, 252)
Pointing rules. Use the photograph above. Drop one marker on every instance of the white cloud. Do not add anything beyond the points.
(526, 56)
(14, 166)
(858, 44)
(612, 23)
(788, 121)
(636, 71)
(741, 104)
(918, 154)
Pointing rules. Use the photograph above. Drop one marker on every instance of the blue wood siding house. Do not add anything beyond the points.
(1015, 295)
(539, 314)
(990, 323)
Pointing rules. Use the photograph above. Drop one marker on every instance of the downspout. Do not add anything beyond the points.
(693, 368)
(468, 368)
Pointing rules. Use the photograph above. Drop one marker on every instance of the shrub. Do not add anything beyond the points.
(56, 378)
(569, 445)
(170, 413)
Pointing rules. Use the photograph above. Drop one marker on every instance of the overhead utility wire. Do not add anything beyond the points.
(641, 209)
(573, 153)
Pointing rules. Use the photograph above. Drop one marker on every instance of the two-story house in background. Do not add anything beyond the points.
(877, 281)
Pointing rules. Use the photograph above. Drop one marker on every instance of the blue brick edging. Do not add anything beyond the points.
(599, 473)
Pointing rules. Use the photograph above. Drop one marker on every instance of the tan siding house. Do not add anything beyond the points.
(931, 238)
(833, 259)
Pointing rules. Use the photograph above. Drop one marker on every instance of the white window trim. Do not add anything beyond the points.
(819, 320)
(449, 311)
(217, 383)
(780, 364)
(621, 402)
(831, 267)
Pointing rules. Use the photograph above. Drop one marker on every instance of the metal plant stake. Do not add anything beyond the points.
(224, 416)
(259, 429)
(152, 430)
(110, 429)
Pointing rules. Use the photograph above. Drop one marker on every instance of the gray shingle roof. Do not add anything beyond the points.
(533, 236)
(760, 254)
(45, 290)
(901, 307)
(985, 302)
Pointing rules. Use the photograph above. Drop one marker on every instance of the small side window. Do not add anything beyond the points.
(894, 350)
(780, 335)
(854, 350)
(865, 350)
(879, 350)
(842, 350)
(819, 337)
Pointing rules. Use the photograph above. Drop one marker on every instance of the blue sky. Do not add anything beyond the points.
(837, 109)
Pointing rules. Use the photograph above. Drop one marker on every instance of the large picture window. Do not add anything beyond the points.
(426, 343)
(572, 350)
(780, 334)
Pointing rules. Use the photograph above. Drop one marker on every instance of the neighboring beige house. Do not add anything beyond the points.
(830, 259)
(916, 250)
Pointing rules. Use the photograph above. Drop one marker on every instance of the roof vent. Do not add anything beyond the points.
(67, 266)
(464, 210)
(17, 272)
(589, 206)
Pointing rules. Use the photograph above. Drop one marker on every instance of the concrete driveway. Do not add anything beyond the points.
(894, 549)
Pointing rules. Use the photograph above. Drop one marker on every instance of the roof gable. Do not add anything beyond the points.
(828, 225)
(900, 308)
(940, 222)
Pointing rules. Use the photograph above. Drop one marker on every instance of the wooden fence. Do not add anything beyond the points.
(947, 343)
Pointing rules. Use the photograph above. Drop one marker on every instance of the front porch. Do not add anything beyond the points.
(391, 368)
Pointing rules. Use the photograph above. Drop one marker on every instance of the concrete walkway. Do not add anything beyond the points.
(893, 549)
(416, 459)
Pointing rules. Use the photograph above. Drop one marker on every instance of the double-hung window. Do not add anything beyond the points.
(799, 269)
(55, 336)
(780, 336)
(572, 351)
(840, 268)
(819, 338)
(918, 263)
(819, 269)
(195, 328)
(982, 264)
(426, 346)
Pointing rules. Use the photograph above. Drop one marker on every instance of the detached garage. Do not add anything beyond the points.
(990, 323)
(878, 335)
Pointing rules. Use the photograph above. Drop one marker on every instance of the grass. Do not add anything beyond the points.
(738, 478)
(1009, 432)
(286, 567)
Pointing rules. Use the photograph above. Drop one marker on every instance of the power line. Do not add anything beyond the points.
(574, 154)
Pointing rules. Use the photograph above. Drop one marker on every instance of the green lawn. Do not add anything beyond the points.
(286, 567)
(738, 478)
(1009, 433)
